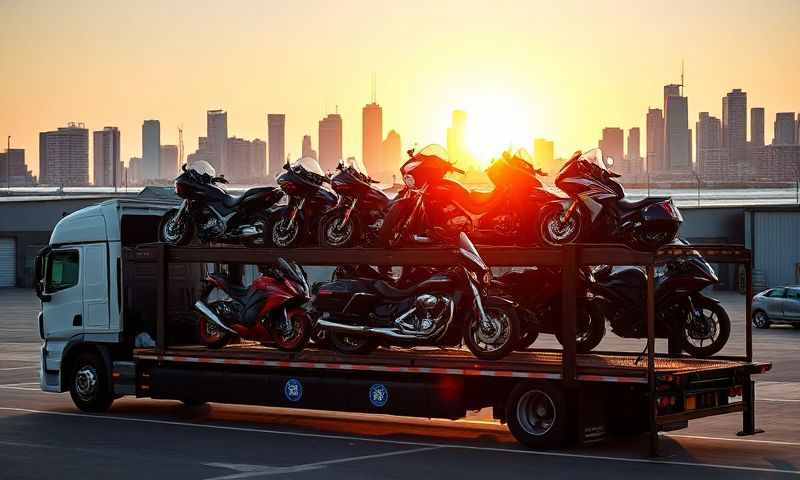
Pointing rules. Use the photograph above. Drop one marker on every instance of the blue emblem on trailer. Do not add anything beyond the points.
(293, 390)
(378, 394)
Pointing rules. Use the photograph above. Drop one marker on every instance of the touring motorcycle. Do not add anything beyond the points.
(699, 323)
(434, 209)
(440, 310)
(359, 216)
(270, 311)
(304, 182)
(597, 210)
(212, 213)
(537, 294)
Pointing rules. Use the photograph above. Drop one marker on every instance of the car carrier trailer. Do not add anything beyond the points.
(152, 287)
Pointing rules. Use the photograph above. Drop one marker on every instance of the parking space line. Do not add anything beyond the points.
(6, 369)
(24, 384)
(783, 400)
(411, 443)
(741, 440)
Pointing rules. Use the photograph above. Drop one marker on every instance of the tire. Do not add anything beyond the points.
(279, 235)
(391, 233)
(761, 320)
(723, 326)
(301, 331)
(210, 334)
(553, 232)
(492, 347)
(173, 235)
(352, 344)
(332, 233)
(258, 241)
(536, 414)
(589, 337)
(89, 383)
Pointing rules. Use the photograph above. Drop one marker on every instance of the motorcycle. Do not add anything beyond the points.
(434, 209)
(537, 292)
(270, 311)
(346, 225)
(683, 312)
(304, 182)
(214, 214)
(440, 310)
(597, 210)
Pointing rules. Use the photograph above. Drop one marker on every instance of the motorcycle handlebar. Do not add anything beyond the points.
(457, 170)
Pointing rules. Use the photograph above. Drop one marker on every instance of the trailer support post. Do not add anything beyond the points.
(569, 275)
(651, 359)
(748, 273)
(161, 297)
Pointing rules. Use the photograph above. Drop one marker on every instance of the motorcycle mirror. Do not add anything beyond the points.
(183, 167)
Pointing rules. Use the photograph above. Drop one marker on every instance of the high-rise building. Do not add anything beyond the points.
(456, 133)
(543, 154)
(307, 148)
(64, 156)
(170, 164)
(634, 155)
(708, 141)
(330, 141)
(655, 140)
(757, 126)
(372, 137)
(151, 150)
(677, 139)
(276, 131)
(16, 169)
(734, 130)
(217, 136)
(797, 130)
(784, 129)
(612, 145)
(106, 158)
(392, 155)
(258, 158)
(134, 170)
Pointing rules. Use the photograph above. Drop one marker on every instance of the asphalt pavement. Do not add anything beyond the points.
(42, 435)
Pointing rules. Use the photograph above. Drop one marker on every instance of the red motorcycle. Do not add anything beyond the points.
(270, 311)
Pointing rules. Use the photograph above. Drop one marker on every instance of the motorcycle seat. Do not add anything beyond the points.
(236, 291)
(390, 291)
(626, 204)
(481, 198)
(231, 201)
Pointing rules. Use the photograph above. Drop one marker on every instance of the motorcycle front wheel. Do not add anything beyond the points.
(335, 232)
(705, 335)
(211, 335)
(175, 231)
(496, 338)
(282, 233)
(555, 230)
(295, 337)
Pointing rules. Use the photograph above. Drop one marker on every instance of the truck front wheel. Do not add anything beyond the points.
(537, 415)
(89, 385)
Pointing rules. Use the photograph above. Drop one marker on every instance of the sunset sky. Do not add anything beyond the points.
(556, 69)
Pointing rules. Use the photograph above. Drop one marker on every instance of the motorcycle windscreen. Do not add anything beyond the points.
(293, 272)
(468, 251)
(203, 167)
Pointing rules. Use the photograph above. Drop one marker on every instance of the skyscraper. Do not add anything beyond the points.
(543, 155)
(677, 139)
(64, 156)
(708, 130)
(276, 129)
(634, 155)
(757, 126)
(372, 136)
(734, 129)
(217, 136)
(612, 146)
(655, 140)
(784, 129)
(330, 141)
(170, 165)
(106, 158)
(392, 158)
(151, 150)
(456, 146)
(134, 170)
(17, 169)
(307, 148)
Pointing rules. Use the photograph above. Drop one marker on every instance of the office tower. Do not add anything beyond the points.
(16, 168)
(258, 158)
(307, 149)
(543, 154)
(134, 170)
(217, 135)
(784, 127)
(330, 141)
(655, 140)
(276, 129)
(64, 156)
(456, 133)
(707, 145)
(201, 154)
(797, 130)
(372, 136)
(634, 155)
(757, 126)
(677, 139)
(151, 150)
(612, 146)
(734, 128)
(106, 158)
(170, 164)
(392, 154)
(237, 154)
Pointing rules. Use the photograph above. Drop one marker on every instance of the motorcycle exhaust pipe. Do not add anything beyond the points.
(209, 314)
(383, 332)
(422, 239)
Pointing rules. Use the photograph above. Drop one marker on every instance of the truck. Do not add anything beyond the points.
(105, 283)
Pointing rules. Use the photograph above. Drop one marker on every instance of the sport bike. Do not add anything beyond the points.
(442, 309)
(597, 210)
(270, 311)
(304, 182)
(214, 215)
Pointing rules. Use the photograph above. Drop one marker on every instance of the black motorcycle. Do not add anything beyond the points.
(212, 213)
(683, 313)
(359, 216)
(597, 210)
(537, 294)
(444, 309)
(295, 224)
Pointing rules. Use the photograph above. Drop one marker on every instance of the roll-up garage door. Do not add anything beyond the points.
(8, 262)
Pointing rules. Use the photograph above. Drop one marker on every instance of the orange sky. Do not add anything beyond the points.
(560, 70)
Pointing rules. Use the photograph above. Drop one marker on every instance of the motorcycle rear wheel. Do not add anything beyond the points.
(554, 231)
(590, 329)
(211, 335)
(174, 232)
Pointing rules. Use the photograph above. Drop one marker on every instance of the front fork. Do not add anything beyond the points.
(293, 213)
(347, 213)
(484, 319)
(571, 210)
(181, 210)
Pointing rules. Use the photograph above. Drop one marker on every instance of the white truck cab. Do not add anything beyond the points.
(79, 281)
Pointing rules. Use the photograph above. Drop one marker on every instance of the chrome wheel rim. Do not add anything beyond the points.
(283, 235)
(702, 329)
(558, 230)
(494, 334)
(173, 230)
(760, 319)
(536, 412)
(86, 383)
(337, 233)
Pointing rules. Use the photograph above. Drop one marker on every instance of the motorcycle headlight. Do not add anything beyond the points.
(409, 181)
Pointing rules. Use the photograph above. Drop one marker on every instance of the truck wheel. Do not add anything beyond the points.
(537, 415)
(88, 383)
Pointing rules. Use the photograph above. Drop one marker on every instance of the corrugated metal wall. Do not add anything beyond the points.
(775, 239)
